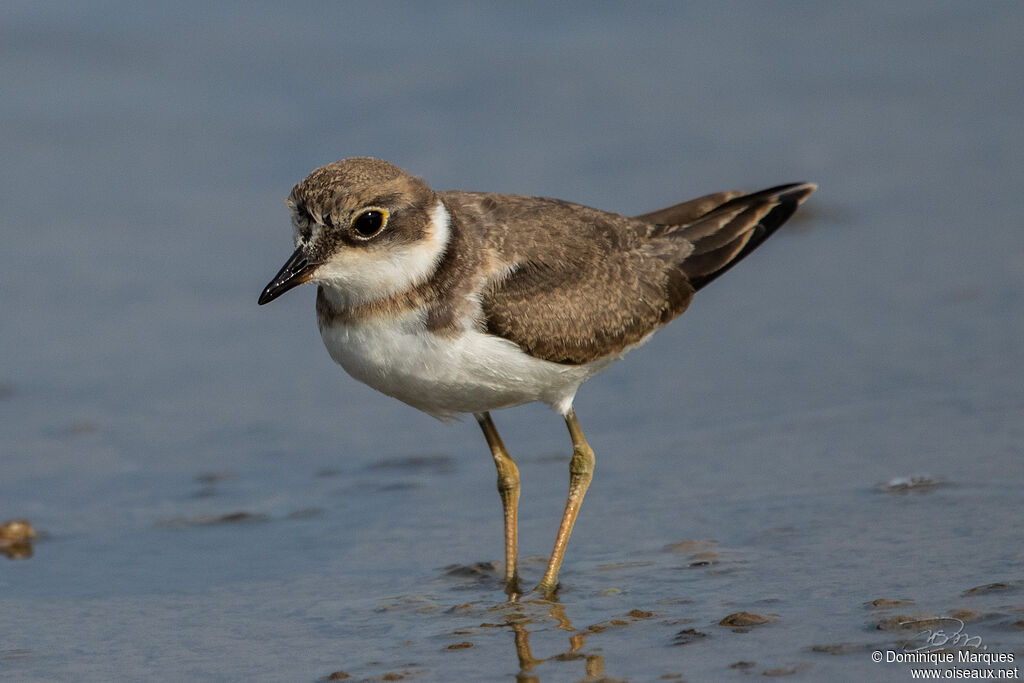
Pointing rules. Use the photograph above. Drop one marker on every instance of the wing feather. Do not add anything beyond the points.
(581, 284)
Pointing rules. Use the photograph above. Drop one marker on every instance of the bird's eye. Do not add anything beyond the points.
(369, 223)
(328, 221)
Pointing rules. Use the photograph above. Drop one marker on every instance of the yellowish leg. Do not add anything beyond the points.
(508, 487)
(581, 471)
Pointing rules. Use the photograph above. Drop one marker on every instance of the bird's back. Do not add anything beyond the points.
(572, 284)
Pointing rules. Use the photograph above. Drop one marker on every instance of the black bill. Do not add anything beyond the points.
(293, 273)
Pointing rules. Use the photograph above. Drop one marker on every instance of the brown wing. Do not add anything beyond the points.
(576, 312)
(585, 284)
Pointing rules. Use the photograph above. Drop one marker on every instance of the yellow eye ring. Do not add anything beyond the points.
(369, 223)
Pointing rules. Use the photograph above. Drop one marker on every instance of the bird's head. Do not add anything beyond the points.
(364, 229)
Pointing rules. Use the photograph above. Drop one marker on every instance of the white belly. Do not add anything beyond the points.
(444, 376)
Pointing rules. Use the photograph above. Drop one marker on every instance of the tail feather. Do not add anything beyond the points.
(702, 268)
(687, 212)
(718, 230)
(725, 234)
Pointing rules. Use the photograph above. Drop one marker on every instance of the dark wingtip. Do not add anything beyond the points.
(788, 197)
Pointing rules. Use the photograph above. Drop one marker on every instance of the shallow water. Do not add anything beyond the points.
(830, 439)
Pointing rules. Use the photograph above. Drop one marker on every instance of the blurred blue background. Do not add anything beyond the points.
(147, 151)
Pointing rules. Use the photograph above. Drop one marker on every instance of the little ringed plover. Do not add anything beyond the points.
(467, 302)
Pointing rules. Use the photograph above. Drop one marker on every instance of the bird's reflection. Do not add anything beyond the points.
(521, 615)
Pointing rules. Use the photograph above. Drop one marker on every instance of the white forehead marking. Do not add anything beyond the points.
(355, 276)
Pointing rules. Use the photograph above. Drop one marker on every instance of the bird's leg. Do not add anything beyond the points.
(581, 471)
(508, 487)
